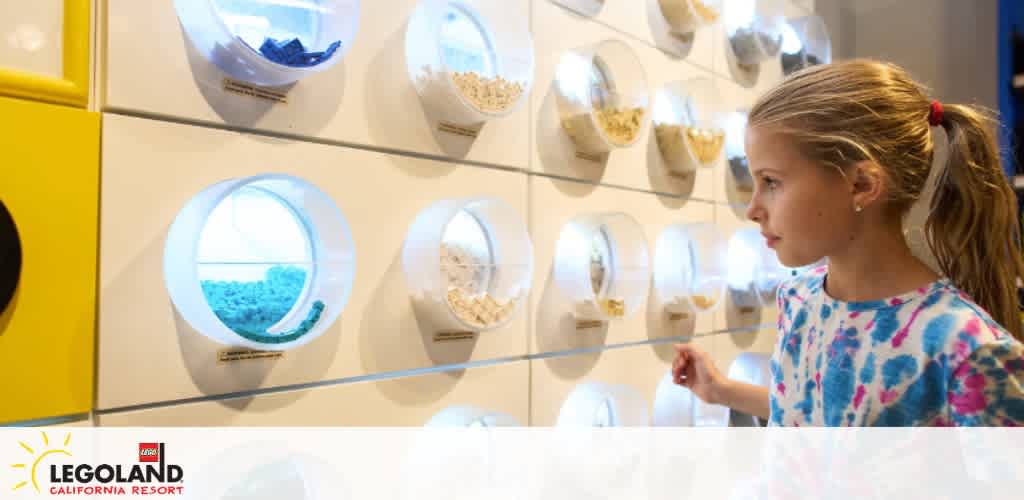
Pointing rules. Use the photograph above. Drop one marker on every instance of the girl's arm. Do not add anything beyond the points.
(694, 369)
(747, 398)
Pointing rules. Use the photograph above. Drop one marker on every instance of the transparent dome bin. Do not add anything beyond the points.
(676, 406)
(471, 416)
(690, 268)
(735, 126)
(754, 270)
(602, 96)
(263, 262)
(465, 66)
(805, 43)
(751, 368)
(688, 124)
(754, 29)
(270, 42)
(685, 17)
(603, 265)
(468, 264)
(10, 258)
(596, 404)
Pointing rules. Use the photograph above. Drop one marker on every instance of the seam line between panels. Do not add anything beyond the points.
(306, 139)
(65, 419)
(409, 373)
(388, 151)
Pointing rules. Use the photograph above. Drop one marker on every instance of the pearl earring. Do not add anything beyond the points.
(857, 208)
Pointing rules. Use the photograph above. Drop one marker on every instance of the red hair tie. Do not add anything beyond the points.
(935, 115)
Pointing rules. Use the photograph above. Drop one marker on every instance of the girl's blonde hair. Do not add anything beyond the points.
(861, 110)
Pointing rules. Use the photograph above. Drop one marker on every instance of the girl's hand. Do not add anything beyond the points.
(694, 369)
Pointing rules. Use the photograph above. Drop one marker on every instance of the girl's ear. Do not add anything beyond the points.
(868, 183)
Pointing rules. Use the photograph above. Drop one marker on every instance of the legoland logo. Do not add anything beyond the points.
(149, 452)
(152, 475)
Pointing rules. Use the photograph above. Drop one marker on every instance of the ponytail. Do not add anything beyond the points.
(972, 229)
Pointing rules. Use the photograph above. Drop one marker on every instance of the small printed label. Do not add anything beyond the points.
(678, 316)
(232, 355)
(590, 157)
(588, 324)
(251, 90)
(451, 128)
(747, 310)
(453, 336)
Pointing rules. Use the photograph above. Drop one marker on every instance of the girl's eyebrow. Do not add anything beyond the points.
(761, 171)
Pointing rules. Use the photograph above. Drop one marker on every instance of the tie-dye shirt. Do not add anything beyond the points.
(928, 357)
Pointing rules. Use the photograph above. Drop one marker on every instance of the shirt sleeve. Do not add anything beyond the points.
(987, 388)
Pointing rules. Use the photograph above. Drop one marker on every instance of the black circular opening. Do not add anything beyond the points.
(10, 257)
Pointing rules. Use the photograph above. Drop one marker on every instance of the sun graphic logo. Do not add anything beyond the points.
(31, 466)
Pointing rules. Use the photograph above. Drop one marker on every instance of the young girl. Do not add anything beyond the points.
(840, 152)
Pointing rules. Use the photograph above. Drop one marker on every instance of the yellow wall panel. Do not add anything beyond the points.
(72, 87)
(49, 182)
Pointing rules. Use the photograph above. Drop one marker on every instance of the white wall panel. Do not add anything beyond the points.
(147, 353)
(366, 98)
(555, 203)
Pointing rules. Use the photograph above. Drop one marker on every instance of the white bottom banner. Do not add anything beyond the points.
(510, 463)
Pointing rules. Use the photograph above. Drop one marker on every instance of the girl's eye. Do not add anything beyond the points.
(770, 183)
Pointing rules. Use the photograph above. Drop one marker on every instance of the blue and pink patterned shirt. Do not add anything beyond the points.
(928, 357)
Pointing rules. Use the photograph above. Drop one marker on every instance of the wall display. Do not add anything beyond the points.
(690, 269)
(602, 263)
(687, 120)
(264, 262)
(49, 199)
(753, 30)
(465, 67)
(754, 270)
(751, 368)
(270, 43)
(685, 17)
(596, 404)
(468, 264)
(805, 43)
(602, 97)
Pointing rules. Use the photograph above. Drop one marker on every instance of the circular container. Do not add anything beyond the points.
(751, 368)
(688, 124)
(467, 66)
(602, 96)
(263, 262)
(10, 257)
(685, 17)
(677, 406)
(603, 265)
(270, 43)
(468, 264)
(735, 126)
(596, 404)
(471, 416)
(690, 268)
(754, 270)
(806, 43)
(753, 29)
